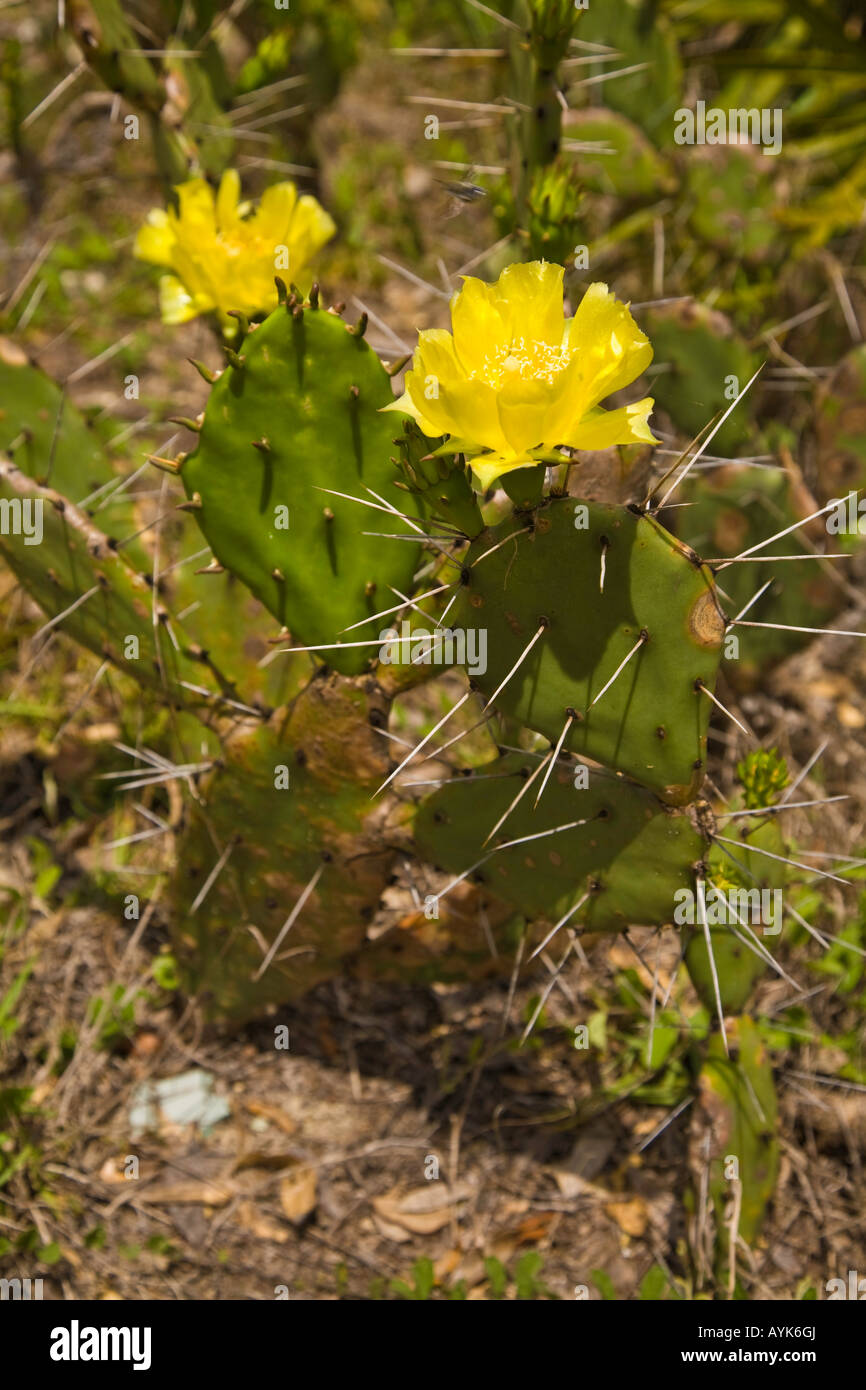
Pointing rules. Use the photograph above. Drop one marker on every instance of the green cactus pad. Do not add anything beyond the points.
(649, 97)
(734, 508)
(631, 856)
(636, 169)
(279, 837)
(51, 442)
(652, 721)
(697, 353)
(734, 202)
(839, 433)
(224, 619)
(72, 559)
(737, 966)
(300, 413)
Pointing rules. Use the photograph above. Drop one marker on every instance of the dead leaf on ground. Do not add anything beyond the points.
(398, 1234)
(299, 1194)
(260, 1158)
(424, 1210)
(573, 1185)
(209, 1194)
(273, 1113)
(250, 1219)
(630, 1214)
(532, 1230)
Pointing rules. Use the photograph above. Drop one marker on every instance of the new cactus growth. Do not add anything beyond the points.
(537, 51)
(734, 1145)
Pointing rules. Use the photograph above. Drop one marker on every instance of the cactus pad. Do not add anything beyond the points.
(276, 838)
(700, 353)
(74, 559)
(735, 1117)
(298, 411)
(651, 723)
(631, 856)
(735, 508)
(50, 441)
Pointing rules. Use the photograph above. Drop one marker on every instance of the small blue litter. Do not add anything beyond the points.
(187, 1099)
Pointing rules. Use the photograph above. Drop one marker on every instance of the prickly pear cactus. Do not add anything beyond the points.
(328, 518)
(293, 422)
(838, 431)
(703, 365)
(598, 586)
(595, 845)
(733, 509)
(280, 828)
(734, 1149)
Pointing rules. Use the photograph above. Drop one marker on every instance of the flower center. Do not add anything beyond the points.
(241, 243)
(529, 361)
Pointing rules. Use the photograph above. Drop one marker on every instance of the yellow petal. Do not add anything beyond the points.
(175, 305)
(449, 401)
(155, 240)
(478, 325)
(310, 228)
(404, 405)
(524, 413)
(195, 214)
(605, 428)
(488, 467)
(227, 200)
(608, 343)
(274, 215)
(529, 298)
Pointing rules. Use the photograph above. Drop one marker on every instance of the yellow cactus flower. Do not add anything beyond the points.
(222, 254)
(518, 378)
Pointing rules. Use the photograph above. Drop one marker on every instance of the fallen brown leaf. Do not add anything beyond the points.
(424, 1210)
(257, 1224)
(272, 1113)
(208, 1194)
(630, 1214)
(298, 1194)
